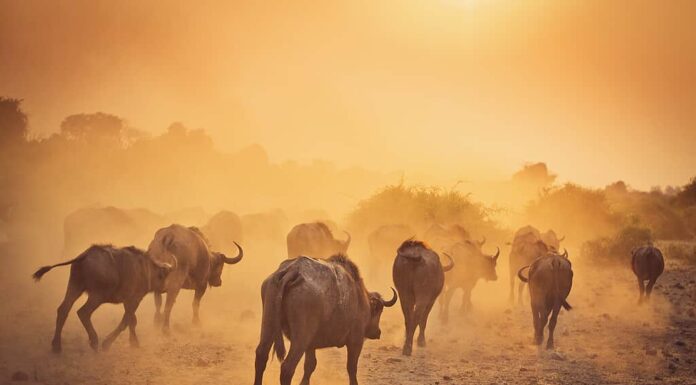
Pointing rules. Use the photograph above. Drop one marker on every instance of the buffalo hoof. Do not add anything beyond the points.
(158, 319)
(421, 342)
(549, 345)
(134, 343)
(406, 351)
(56, 348)
(106, 345)
(94, 345)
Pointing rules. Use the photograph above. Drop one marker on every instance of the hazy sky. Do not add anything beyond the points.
(600, 90)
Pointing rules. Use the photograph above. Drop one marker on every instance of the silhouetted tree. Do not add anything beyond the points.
(687, 196)
(13, 122)
(95, 129)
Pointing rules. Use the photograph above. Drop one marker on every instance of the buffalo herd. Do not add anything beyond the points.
(317, 297)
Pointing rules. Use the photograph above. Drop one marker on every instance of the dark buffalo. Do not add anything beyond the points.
(527, 246)
(314, 240)
(550, 279)
(472, 265)
(88, 226)
(382, 243)
(196, 266)
(109, 275)
(648, 264)
(316, 303)
(418, 277)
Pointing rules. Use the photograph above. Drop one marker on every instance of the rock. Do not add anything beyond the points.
(678, 285)
(201, 363)
(672, 366)
(523, 369)
(20, 376)
(447, 378)
(680, 343)
(557, 356)
(393, 360)
(650, 351)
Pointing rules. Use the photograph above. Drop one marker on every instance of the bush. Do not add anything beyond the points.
(618, 248)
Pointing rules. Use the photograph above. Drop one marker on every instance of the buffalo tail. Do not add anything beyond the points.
(273, 308)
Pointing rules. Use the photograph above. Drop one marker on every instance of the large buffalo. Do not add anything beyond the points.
(196, 266)
(528, 244)
(418, 276)
(550, 279)
(316, 303)
(382, 243)
(647, 264)
(88, 226)
(314, 240)
(472, 265)
(265, 226)
(109, 275)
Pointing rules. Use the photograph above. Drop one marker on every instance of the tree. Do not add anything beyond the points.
(95, 129)
(13, 122)
(687, 196)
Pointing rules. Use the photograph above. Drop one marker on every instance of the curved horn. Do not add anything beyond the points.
(347, 241)
(520, 276)
(483, 241)
(565, 253)
(451, 264)
(176, 261)
(232, 261)
(392, 301)
(562, 238)
(497, 254)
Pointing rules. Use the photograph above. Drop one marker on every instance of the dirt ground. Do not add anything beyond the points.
(605, 339)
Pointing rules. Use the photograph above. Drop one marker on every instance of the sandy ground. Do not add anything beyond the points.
(606, 339)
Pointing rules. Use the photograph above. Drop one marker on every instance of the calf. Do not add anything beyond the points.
(419, 278)
(647, 264)
(109, 275)
(550, 279)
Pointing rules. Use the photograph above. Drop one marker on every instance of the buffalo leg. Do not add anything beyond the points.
(352, 365)
(71, 295)
(158, 307)
(649, 287)
(445, 300)
(543, 320)
(511, 297)
(423, 322)
(641, 289)
(168, 305)
(85, 314)
(197, 303)
(287, 368)
(310, 363)
(466, 301)
(519, 293)
(407, 307)
(133, 338)
(552, 325)
(262, 351)
(536, 319)
(112, 336)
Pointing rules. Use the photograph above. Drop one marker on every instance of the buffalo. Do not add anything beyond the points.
(265, 226)
(419, 277)
(316, 303)
(109, 275)
(383, 241)
(197, 267)
(528, 244)
(472, 265)
(648, 264)
(550, 279)
(314, 240)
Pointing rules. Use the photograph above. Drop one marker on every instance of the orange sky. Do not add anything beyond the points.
(601, 90)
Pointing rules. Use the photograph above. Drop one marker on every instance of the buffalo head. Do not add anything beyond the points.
(377, 304)
(218, 261)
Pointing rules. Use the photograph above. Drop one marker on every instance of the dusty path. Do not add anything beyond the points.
(606, 339)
